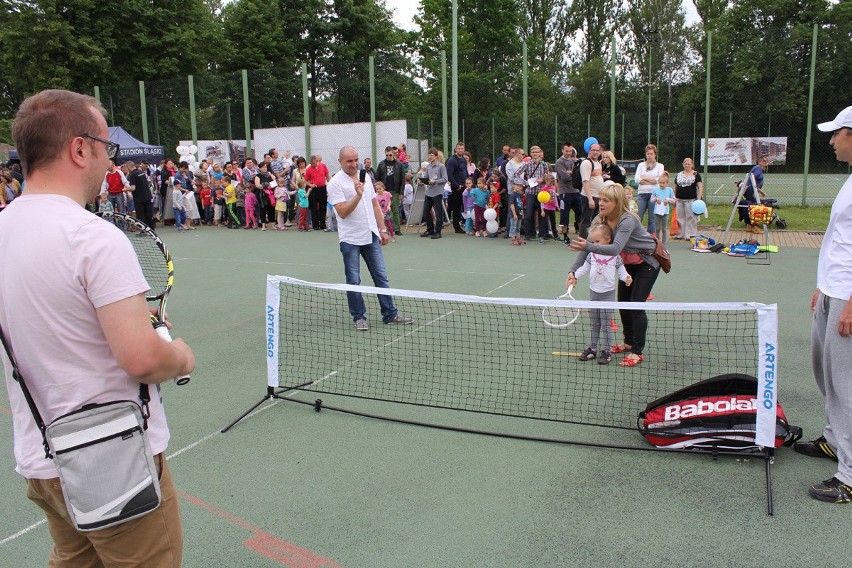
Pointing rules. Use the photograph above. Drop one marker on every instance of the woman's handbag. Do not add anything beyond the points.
(662, 255)
(101, 451)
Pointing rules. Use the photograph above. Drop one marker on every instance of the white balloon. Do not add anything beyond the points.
(180, 151)
(183, 150)
(492, 226)
(490, 214)
(193, 149)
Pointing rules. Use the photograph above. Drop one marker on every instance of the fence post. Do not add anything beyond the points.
(658, 131)
(372, 61)
(810, 120)
(193, 125)
(730, 129)
(525, 99)
(97, 93)
(706, 150)
(246, 114)
(694, 130)
(555, 137)
(622, 135)
(306, 109)
(493, 140)
(228, 118)
(143, 107)
(444, 100)
(455, 79)
(612, 100)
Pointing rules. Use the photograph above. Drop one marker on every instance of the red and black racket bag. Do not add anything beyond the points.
(716, 413)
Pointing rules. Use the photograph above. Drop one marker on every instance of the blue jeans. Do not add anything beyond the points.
(180, 218)
(375, 260)
(643, 202)
(117, 200)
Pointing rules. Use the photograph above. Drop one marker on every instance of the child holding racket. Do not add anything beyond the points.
(602, 271)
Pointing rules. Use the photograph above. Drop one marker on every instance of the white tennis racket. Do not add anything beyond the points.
(561, 316)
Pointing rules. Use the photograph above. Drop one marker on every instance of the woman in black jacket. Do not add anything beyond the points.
(611, 169)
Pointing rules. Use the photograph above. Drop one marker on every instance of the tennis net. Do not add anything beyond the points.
(499, 356)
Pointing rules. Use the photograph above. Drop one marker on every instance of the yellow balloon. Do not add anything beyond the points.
(543, 196)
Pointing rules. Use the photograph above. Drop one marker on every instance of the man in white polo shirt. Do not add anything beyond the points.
(831, 331)
(359, 218)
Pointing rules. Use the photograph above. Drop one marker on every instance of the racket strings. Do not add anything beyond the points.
(153, 259)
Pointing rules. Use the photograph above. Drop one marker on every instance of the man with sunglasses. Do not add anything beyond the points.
(391, 174)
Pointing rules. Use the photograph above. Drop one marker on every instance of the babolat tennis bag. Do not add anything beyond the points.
(716, 413)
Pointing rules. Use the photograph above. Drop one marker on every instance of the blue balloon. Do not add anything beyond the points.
(699, 207)
(588, 143)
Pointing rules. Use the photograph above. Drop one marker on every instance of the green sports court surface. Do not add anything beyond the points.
(291, 487)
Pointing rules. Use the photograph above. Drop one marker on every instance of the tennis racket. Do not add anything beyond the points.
(560, 316)
(156, 267)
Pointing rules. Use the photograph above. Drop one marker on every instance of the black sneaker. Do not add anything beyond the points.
(831, 491)
(605, 358)
(425, 234)
(588, 354)
(818, 448)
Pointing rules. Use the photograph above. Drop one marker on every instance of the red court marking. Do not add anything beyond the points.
(278, 550)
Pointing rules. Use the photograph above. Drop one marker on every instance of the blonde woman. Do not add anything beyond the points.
(635, 245)
(610, 168)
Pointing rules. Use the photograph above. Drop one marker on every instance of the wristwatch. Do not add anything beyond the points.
(384, 231)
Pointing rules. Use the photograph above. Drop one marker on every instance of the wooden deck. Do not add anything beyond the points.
(799, 239)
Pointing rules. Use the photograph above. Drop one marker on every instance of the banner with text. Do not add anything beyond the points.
(744, 151)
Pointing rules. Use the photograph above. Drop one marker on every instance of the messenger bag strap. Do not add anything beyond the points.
(144, 396)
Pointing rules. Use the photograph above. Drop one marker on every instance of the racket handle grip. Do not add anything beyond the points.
(163, 332)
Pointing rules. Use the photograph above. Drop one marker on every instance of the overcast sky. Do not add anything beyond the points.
(405, 10)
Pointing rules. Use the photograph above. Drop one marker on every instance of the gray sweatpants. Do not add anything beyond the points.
(600, 320)
(831, 357)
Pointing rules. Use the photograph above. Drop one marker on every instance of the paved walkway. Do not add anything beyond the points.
(800, 239)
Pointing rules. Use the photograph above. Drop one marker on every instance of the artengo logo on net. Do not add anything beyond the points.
(270, 331)
(715, 406)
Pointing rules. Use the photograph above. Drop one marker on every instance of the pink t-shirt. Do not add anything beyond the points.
(384, 201)
(47, 310)
(553, 204)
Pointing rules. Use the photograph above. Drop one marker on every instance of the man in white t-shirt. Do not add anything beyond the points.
(359, 218)
(592, 176)
(78, 324)
(831, 331)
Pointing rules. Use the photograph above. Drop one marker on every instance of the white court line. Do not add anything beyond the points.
(517, 277)
(22, 532)
(176, 258)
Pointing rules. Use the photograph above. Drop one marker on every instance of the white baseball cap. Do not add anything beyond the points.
(842, 120)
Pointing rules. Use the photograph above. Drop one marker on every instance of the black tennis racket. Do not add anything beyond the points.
(156, 266)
